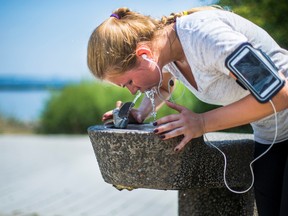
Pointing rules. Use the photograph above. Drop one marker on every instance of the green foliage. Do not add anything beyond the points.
(184, 97)
(10, 125)
(76, 107)
(271, 15)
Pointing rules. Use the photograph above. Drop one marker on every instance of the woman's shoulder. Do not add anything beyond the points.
(210, 37)
(206, 17)
(210, 25)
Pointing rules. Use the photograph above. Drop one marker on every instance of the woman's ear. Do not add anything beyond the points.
(144, 52)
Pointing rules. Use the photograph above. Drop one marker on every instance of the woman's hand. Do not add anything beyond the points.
(109, 115)
(186, 123)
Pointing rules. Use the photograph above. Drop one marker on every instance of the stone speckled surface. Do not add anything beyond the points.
(215, 202)
(135, 157)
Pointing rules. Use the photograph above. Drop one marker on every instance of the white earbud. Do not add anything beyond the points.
(145, 57)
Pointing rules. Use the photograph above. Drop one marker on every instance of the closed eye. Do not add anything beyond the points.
(130, 82)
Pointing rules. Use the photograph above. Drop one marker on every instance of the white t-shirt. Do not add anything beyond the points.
(207, 38)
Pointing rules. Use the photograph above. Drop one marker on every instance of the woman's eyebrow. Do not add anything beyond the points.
(124, 85)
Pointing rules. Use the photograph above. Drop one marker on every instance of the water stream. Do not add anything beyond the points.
(151, 95)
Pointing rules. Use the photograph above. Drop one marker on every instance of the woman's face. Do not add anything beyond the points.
(143, 77)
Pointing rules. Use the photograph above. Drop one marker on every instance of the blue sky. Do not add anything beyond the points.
(48, 39)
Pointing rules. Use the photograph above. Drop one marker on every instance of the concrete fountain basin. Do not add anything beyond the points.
(137, 158)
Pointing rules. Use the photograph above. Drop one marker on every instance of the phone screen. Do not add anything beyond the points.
(255, 72)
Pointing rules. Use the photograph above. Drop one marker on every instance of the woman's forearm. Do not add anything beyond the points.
(244, 111)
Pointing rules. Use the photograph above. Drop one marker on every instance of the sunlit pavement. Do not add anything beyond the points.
(59, 176)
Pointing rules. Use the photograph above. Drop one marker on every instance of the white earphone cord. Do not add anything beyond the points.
(160, 74)
(224, 156)
(160, 81)
(251, 169)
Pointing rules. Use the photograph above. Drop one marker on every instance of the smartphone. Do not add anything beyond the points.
(255, 71)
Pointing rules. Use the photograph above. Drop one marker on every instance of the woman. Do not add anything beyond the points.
(140, 53)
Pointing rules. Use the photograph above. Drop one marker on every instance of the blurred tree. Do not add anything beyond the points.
(271, 15)
(76, 107)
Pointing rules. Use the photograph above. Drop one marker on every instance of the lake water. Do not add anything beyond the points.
(24, 105)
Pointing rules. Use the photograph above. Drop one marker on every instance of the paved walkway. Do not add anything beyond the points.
(59, 176)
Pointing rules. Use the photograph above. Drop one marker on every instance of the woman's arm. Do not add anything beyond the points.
(193, 125)
(248, 107)
(244, 111)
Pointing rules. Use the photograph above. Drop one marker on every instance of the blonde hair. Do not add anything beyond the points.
(112, 45)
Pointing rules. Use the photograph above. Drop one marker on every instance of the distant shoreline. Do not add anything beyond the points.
(16, 83)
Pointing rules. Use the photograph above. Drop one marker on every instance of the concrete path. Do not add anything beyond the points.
(59, 176)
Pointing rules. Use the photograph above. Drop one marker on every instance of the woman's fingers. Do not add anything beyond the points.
(186, 123)
(175, 106)
(109, 114)
(119, 104)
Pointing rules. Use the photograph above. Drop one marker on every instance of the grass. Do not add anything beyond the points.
(13, 126)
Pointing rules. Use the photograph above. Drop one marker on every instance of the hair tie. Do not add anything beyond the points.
(115, 15)
(185, 13)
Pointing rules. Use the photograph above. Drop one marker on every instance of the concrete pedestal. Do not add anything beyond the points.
(136, 158)
(214, 202)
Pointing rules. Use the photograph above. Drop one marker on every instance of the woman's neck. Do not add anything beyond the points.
(168, 47)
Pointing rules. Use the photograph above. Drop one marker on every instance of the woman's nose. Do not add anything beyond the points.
(132, 89)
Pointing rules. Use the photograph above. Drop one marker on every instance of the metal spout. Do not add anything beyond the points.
(121, 116)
